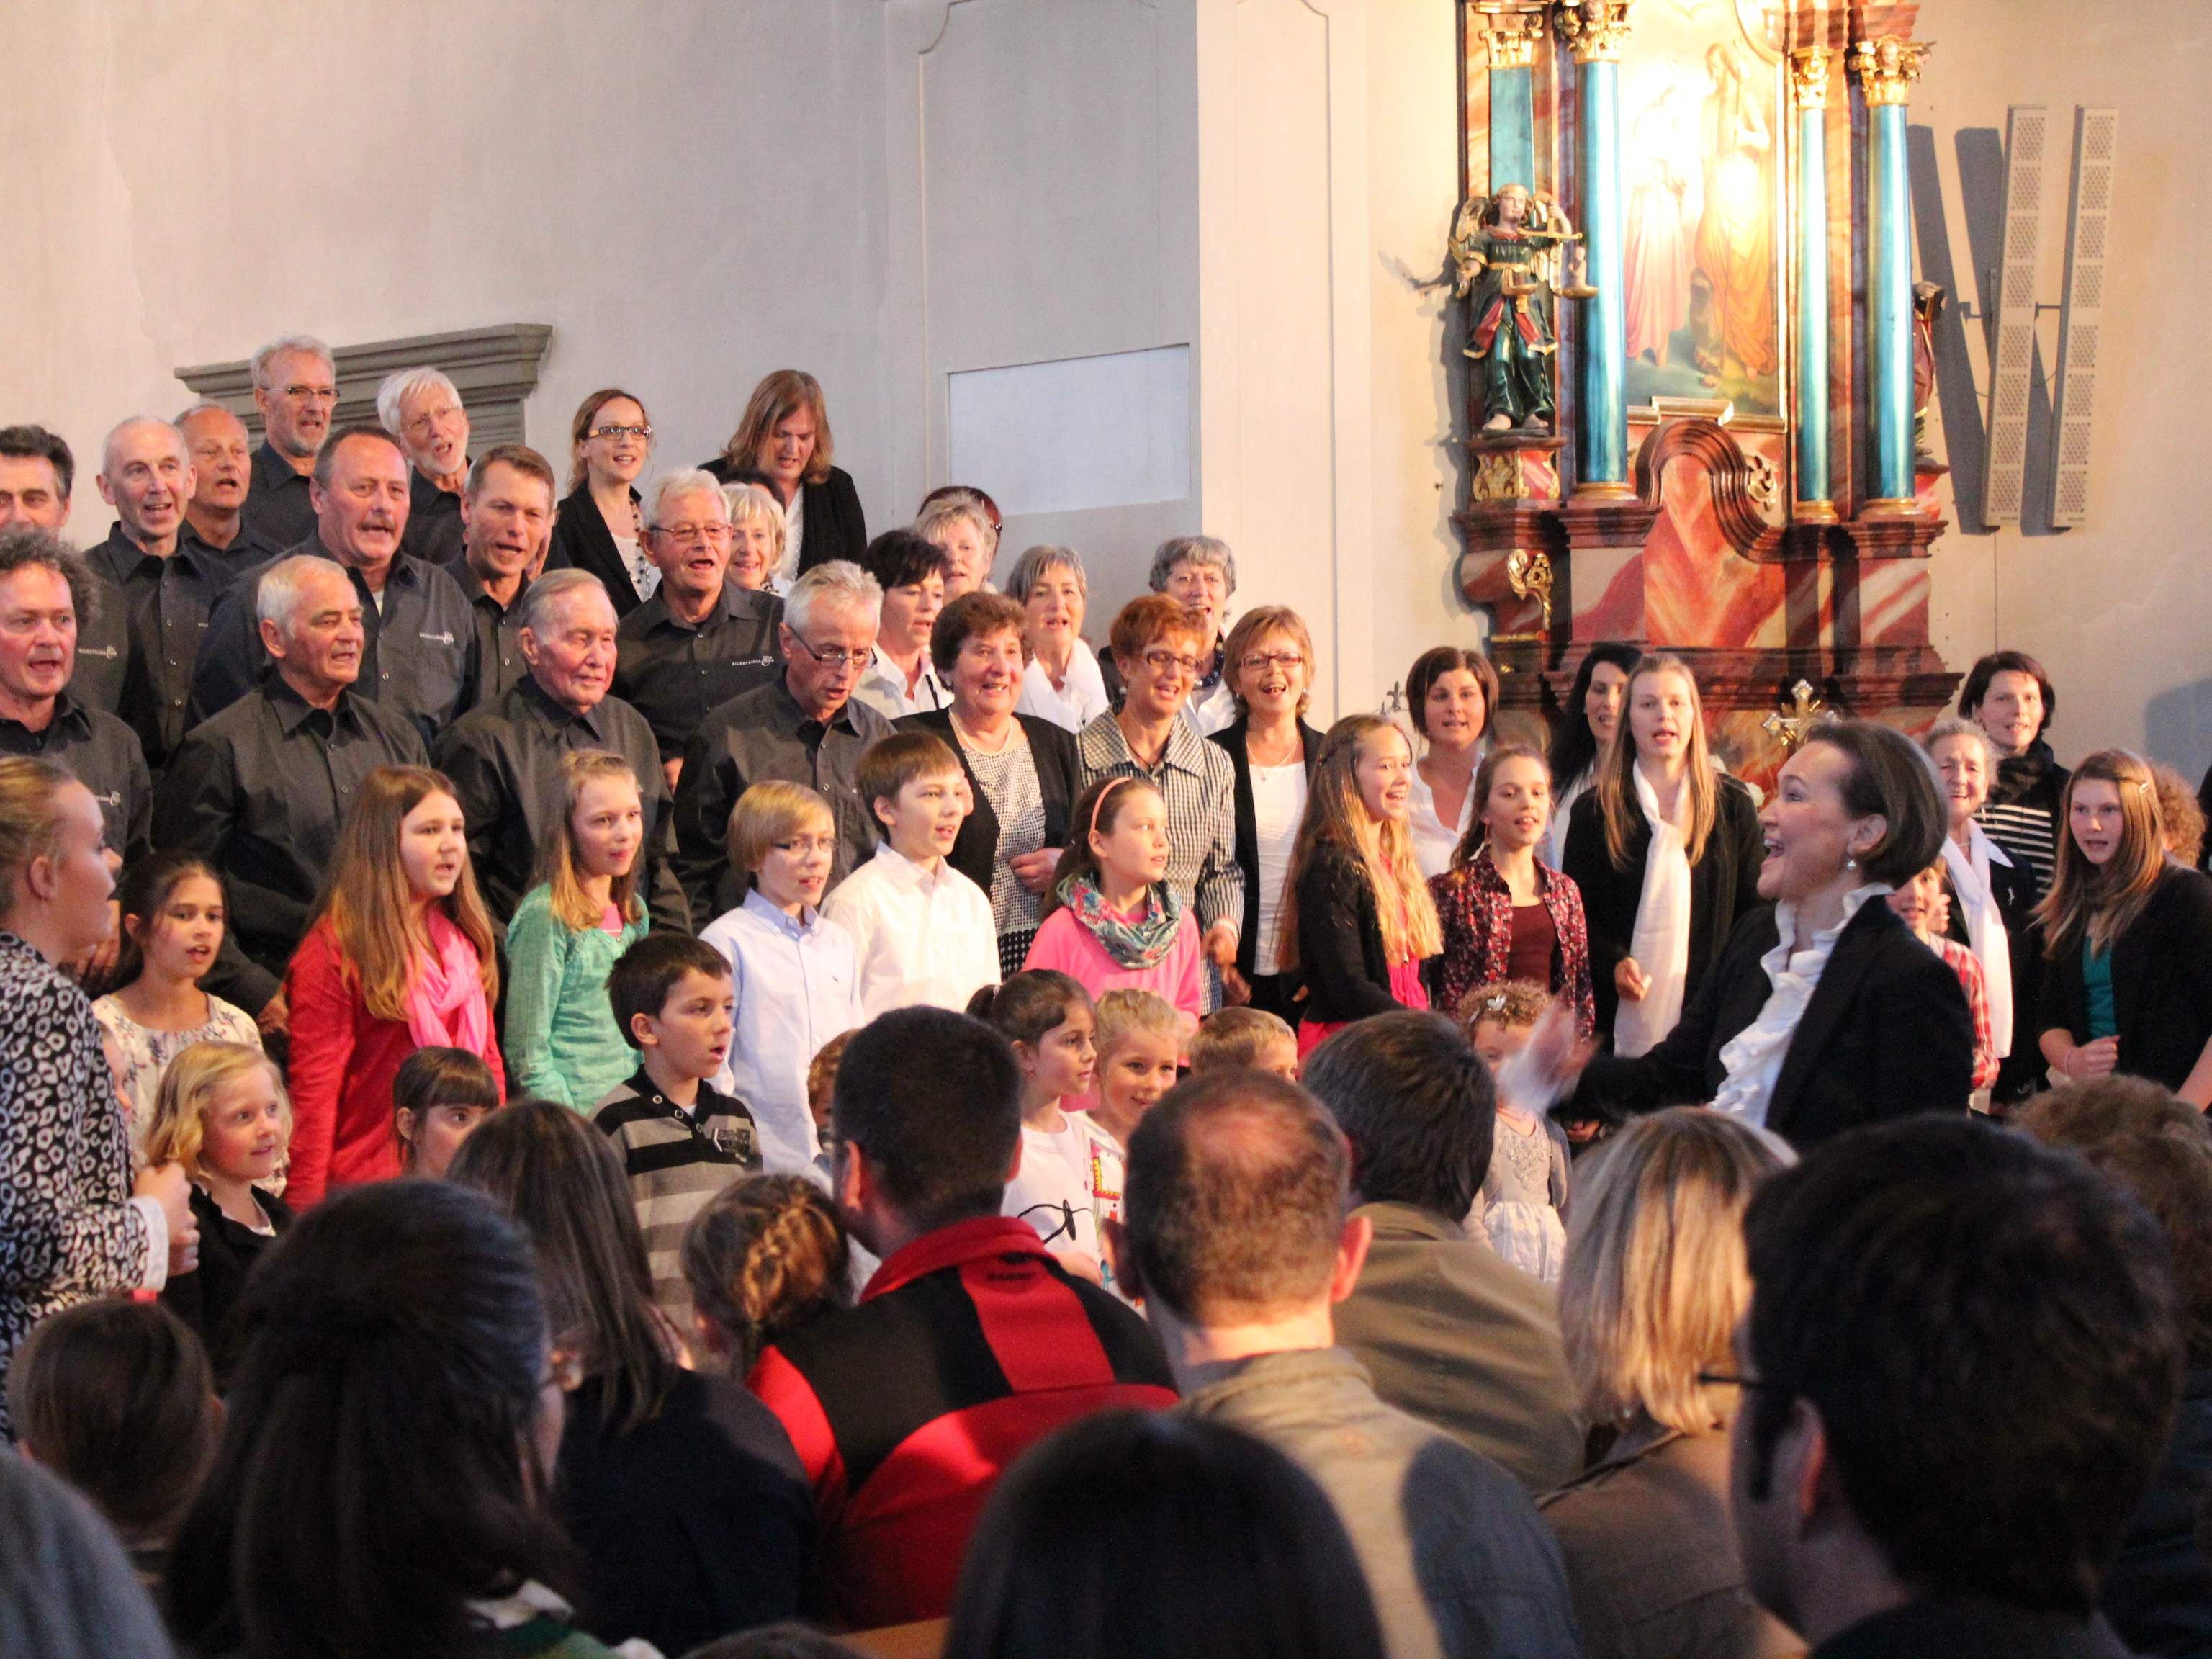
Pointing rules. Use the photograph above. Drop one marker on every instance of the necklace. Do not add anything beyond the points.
(966, 734)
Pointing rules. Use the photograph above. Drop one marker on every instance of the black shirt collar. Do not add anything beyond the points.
(294, 711)
(537, 699)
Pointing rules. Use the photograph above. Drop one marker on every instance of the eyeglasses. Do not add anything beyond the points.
(620, 432)
(835, 657)
(314, 394)
(692, 532)
(1260, 662)
(1160, 661)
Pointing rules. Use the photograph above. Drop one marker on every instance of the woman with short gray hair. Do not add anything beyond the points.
(1995, 917)
(1063, 682)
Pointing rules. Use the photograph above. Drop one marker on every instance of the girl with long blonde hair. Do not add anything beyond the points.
(1665, 850)
(400, 956)
(1357, 915)
(2128, 937)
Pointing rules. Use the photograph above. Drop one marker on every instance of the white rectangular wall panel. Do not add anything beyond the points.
(1076, 432)
(2012, 351)
(2081, 313)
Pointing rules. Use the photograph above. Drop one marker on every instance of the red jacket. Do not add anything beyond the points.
(343, 1060)
(969, 1346)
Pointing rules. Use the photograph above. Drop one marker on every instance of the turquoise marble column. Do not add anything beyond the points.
(1886, 68)
(1595, 31)
(1512, 48)
(1808, 84)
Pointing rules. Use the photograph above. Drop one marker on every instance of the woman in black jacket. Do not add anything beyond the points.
(783, 442)
(1824, 1012)
(1268, 663)
(2009, 696)
(1654, 931)
(598, 524)
(2127, 982)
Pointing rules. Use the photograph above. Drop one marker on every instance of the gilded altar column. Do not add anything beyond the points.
(1595, 30)
(1808, 85)
(1886, 68)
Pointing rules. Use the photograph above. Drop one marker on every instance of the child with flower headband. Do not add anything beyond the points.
(1526, 1187)
(1111, 919)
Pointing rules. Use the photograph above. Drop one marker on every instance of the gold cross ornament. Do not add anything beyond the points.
(1791, 727)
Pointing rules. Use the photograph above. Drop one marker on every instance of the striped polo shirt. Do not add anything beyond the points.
(676, 1161)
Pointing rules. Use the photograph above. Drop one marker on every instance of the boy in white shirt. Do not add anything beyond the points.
(923, 931)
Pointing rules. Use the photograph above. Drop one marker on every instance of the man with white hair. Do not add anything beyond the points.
(803, 726)
(296, 386)
(421, 408)
(162, 587)
(223, 468)
(701, 639)
(260, 790)
(505, 757)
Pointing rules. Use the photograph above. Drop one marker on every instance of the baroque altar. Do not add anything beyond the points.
(1684, 247)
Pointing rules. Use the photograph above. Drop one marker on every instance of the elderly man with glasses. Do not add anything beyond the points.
(804, 727)
(421, 408)
(296, 386)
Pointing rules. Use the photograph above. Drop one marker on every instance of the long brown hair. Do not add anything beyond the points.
(586, 413)
(1095, 812)
(779, 395)
(1336, 816)
(1485, 774)
(2101, 902)
(557, 857)
(371, 907)
(1614, 772)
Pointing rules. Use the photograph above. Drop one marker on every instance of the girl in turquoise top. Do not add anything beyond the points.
(562, 1041)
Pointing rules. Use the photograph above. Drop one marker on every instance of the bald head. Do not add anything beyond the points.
(222, 463)
(146, 476)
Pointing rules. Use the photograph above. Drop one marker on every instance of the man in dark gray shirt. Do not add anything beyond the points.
(1234, 1231)
(260, 790)
(701, 639)
(505, 758)
(420, 657)
(422, 409)
(295, 384)
(507, 514)
(803, 727)
(36, 473)
(223, 467)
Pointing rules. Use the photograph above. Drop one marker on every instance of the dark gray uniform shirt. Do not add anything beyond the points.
(103, 755)
(277, 508)
(103, 650)
(246, 548)
(433, 520)
(674, 673)
(499, 665)
(165, 604)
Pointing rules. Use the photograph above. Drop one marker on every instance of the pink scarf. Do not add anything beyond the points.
(445, 1005)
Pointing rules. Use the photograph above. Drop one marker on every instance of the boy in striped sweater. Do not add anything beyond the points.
(682, 1141)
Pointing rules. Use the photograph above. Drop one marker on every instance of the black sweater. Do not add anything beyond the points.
(204, 1298)
(2161, 982)
(581, 540)
(1233, 741)
(1340, 957)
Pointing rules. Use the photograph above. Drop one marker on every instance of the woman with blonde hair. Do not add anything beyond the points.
(1665, 850)
(783, 443)
(2127, 936)
(1357, 915)
(756, 537)
(963, 524)
(599, 525)
(400, 956)
(1653, 1287)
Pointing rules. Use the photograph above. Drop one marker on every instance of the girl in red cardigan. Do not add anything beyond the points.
(399, 957)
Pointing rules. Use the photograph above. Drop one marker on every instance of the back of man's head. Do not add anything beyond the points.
(1987, 1330)
(1418, 1104)
(1234, 1199)
(933, 1099)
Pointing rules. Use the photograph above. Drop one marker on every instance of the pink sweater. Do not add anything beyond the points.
(1065, 943)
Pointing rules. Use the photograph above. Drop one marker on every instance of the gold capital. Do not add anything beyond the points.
(1594, 30)
(1512, 46)
(1887, 66)
(1808, 78)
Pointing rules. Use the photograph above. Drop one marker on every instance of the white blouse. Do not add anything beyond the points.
(1752, 1058)
(1073, 705)
(1279, 803)
(1434, 843)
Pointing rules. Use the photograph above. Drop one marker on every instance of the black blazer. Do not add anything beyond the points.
(976, 852)
(204, 1297)
(1885, 1034)
(1247, 825)
(2161, 982)
(1341, 956)
(581, 538)
(1723, 886)
(833, 526)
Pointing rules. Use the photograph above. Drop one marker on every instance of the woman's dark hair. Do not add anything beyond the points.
(1431, 666)
(899, 558)
(1574, 745)
(1417, 1103)
(971, 614)
(1891, 777)
(1976, 686)
(562, 1179)
(1169, 1536)
(436, 1076)
(144, 892)
(1028, 1004)
(377, 1469)
(1096, 809)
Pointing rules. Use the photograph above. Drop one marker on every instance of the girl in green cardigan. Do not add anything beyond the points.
(562, 1042)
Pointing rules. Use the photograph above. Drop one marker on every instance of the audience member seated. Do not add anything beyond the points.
(73, 1222)
(36, 472)
(259, 791)
(163, 587)
(506, 518)
(1883, 1505)
(597, 529)
(1655, 1284)
(68, 1592)
(1994, 915)
(222, 1115)
(902, 680)
(296, 386)
(1244, 1039)
(803, 727)
(961, 523)
(701, 639)
(785, 1639)
(1234, 1233)
(997, 1346)
(421, 408)
(223, 469)
(1452, 692)
(413, 1303)
(2009, 696)
(505, 758)
(767, 1257)
(1160, 1535)
(44, 591)
(783, 442)
(400, 956)
(1823, 1013)
(117, 1398)
(2127, 940)
(2157, 1591)
(1062, 683)
(439, 1097)
(679, 1488)
(1450, 1333)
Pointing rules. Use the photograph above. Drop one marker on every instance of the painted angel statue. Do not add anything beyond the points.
(1510, 253)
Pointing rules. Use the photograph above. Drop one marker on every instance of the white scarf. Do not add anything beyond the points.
(1985, 928)
(1660, 942)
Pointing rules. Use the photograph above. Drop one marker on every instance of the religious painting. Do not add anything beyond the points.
(1705, 236)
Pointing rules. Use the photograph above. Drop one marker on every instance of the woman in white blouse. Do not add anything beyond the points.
(1451, 694)
(1062, 683)
(1269, 668)
(1995, 917)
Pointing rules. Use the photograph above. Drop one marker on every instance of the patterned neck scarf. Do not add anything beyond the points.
(1142, 941)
